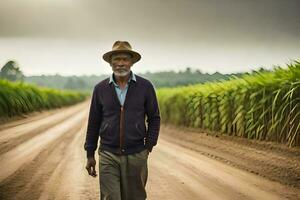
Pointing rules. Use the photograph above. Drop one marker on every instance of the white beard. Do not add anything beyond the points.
(122, 74)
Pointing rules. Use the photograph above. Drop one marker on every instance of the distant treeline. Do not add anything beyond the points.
(82, 83)
(159, 79)
(11, 71)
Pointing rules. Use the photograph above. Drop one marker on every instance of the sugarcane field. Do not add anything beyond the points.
(150, 100)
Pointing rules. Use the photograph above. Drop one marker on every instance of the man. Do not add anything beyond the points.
(118, 111)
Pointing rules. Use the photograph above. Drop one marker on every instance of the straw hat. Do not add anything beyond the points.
(122, 47)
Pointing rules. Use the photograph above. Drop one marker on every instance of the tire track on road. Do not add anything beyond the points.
(28, 150)
(29, 180)
(14, 136)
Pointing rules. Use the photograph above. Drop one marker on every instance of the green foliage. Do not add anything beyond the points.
(18, 97)
(264, 105)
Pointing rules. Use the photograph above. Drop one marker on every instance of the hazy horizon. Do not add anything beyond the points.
(69, 37)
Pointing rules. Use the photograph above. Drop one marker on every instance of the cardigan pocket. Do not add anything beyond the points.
(133, 134)
(103, 129)
(137, 126)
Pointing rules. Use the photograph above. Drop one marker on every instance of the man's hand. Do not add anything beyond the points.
(90, 166)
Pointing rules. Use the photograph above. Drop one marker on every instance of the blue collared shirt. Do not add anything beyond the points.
(121, 93)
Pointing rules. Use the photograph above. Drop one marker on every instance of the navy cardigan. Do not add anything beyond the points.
(122, 129)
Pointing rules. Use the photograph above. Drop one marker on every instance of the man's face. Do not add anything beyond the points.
(121, 64)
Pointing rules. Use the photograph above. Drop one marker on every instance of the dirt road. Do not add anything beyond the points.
(42, 157)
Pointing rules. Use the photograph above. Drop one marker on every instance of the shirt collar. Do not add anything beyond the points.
(112, 80)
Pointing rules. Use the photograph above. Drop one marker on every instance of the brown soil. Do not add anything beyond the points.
(47, 161)
(274, 161)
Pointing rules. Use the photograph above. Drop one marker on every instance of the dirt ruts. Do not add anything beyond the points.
(42, 157)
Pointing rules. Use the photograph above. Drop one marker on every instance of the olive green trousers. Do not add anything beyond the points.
(123, 177)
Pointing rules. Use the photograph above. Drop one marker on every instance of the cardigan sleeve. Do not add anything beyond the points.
(153, 118)
(94, 121)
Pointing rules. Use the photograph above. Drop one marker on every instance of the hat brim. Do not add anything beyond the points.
(135, 55)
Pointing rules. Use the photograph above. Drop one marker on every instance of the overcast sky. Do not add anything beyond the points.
(69, 36)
